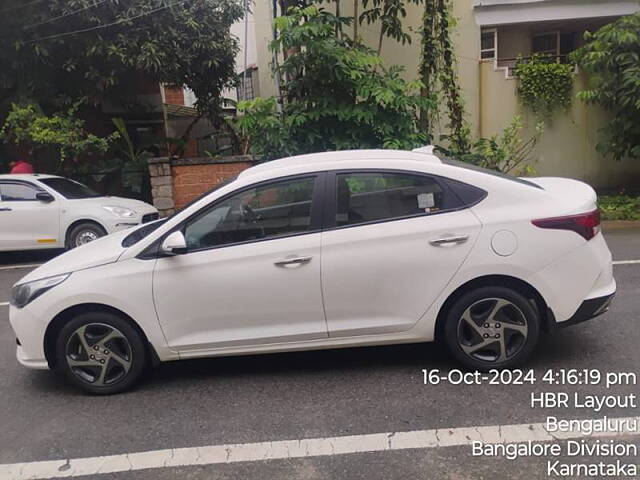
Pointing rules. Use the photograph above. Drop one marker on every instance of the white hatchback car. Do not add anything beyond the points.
(45, 211)
(326, 250)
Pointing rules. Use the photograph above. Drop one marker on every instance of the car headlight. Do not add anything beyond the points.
(25, 293)
(122, 212)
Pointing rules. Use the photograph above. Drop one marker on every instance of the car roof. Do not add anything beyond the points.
(336, 160)
(26, 176)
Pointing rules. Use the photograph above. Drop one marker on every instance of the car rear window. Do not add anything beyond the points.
(476, 168)
(364, 197)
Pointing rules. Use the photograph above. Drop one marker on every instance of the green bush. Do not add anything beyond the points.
(506, 153)
(543, 84)
(619, 207)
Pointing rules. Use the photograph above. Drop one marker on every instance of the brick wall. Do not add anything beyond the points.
(190, 181)
(176, 182)
(173, 95)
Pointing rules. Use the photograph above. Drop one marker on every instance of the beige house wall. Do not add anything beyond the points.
(263, 15)
(567, 147)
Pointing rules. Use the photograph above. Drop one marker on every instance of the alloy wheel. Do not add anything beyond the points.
(99, 354)
(492, 330)
(86, 236)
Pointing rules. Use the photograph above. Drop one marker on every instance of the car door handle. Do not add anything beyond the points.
(292, 261)
(5, 209)
(449, 240)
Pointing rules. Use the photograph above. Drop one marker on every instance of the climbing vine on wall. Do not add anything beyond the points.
(438, 72)
(544, 85)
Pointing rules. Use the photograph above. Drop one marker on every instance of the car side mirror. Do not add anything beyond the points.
(174, 244)
(44, 197)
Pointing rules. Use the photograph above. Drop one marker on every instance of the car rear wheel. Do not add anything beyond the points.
(101, 353)
(492, 327)
(84, 233)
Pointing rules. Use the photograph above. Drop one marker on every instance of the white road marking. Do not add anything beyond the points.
(626, 262)
(288, 449)
(16, 267)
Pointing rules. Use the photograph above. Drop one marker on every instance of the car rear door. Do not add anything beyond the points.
(392, 243)
(26, 222)
(251, 274)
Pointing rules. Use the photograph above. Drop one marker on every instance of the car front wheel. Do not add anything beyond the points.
(84, 233)
(101, 353)
(492, 327)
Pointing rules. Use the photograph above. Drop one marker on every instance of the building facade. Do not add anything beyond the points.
(489, 36)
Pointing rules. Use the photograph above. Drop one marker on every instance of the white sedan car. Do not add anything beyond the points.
(327, 250)
(44, 211)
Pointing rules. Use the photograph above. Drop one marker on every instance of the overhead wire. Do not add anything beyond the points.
(106, 25)
(65, 15)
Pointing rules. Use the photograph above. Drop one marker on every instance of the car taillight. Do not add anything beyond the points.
(587, 225)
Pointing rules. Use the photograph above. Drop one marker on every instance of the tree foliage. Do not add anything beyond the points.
(30, 127)
(611, 56)
(60, 51)
(390, 14)
(337, 96)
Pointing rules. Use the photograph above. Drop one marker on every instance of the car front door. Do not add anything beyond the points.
(393, 242)
(251, 273)
(26, 222)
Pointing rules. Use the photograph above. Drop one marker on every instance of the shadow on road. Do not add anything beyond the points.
(31, 256)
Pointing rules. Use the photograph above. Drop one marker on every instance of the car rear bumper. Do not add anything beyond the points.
(589, 309)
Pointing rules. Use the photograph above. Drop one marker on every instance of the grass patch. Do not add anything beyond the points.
(619, 207)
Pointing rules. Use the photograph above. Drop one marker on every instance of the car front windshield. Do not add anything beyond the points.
(69, 189)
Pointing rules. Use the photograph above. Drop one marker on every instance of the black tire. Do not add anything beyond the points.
(84, 230)
(506, 333)
(123, 355)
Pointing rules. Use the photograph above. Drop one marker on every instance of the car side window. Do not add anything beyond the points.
(17, 192)
(374, 196)
(266, 211)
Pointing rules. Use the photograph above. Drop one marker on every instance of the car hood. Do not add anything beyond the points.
(99, 252)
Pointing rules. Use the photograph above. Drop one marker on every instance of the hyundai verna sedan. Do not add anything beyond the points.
(45, 211)
(327, 250)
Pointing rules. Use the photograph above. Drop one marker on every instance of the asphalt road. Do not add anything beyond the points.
(312, 395)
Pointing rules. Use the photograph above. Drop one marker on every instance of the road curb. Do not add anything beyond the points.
(619, 224)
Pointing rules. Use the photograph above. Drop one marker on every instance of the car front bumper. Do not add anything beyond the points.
(115, 225)
(29, 331)
(25, 361)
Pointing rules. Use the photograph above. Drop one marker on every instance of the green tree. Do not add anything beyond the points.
(611, 56)
(60, 51)
(64, 132)
(337, 96)
(390, 14)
